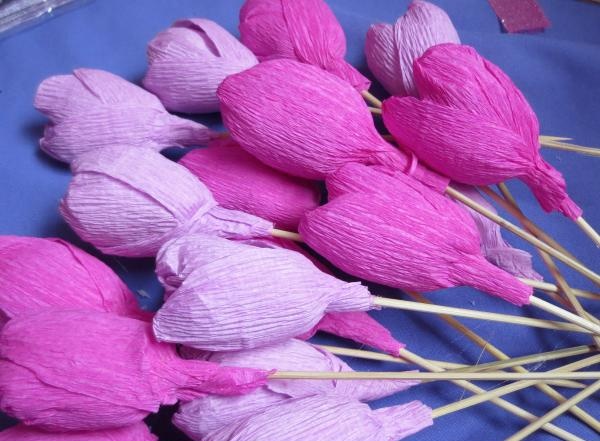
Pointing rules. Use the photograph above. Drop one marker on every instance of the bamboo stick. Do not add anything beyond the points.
(371, 98)
(557, 143)
(557, 411)
(286, 235)
(434, 376)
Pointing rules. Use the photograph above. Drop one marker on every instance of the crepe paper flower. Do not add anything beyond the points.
(206, 414)
(130, 202)
(188, 61)
(306, 31)
(307, 123)
(179, 257)
(135, 432)
(37, 274)
(84, 370)
(403, 235)
(475, 126)
(239, 181)
(493, 246)
(327, 418)
(239, 297)
(392, 49)
(93, 109)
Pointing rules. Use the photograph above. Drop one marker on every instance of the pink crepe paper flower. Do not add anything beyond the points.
(236, 296)
(326, 418)
(239, 181)
(306, 31)
(130, 202)
(391, 49)
(93, 109)
(38, 274)
(307, 123)
(206, 414)
(475, 126)
(493, 246)
(179, 257)
(85, 370)
(135, 432)
(403, 235)
(188, 61)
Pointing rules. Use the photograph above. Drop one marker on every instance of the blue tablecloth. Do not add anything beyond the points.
(558, 70)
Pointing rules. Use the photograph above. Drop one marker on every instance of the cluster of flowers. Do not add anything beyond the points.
(75, 354)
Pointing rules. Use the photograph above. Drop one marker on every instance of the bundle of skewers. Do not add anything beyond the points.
(248, 246)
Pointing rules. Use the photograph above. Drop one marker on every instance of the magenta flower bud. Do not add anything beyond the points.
(239, 181)
(392, 49)
(188, 61)
(475, 126)
(406, 236)
(278, 294)
(307, 123)
(135, 432)
(130, 202)
(326, 418)
(306, 31)
(206, 414)
(66, 371)
(38, 274)
(92, 109)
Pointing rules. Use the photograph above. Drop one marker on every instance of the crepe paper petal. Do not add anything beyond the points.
(474, 126)
(306, 31)
(239, 181)
(210, 413)
(406, 236)
(327, 418)
(495, 249)
(391, 49)
(307, 123)
(92, 109)
(130, 202)
(37, 274)
(278, 294)
(520, 15)
(135, 432)
(188, 61)
(86, 370)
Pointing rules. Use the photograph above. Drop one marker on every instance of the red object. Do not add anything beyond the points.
(520, 15)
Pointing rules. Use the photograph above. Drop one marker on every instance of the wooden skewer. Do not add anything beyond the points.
(509, 388)
(497, 353)
(480, 315)
(560, 280)
(523, 234)
(286, 235)
(509, 407)
(553, 289)
(378, 356)
(371, 98)
(557, 143)
(434, 376)
(375, 110)
(588, 230)
(557, 411)
(457, 367)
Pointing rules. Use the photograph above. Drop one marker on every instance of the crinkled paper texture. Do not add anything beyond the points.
(402, 234)
(92, 109)
(130, 202)
(85, 370)
(303, 121)
(328, 418)
(38, 274)
(474, 125)
(520, 15)
(234, 296)
(391, 49)
(210, 413)
(305, 31)
(135, 432)
(238, 181)
(188, 61)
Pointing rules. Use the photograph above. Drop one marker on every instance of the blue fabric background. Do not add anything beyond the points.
(558, 70)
